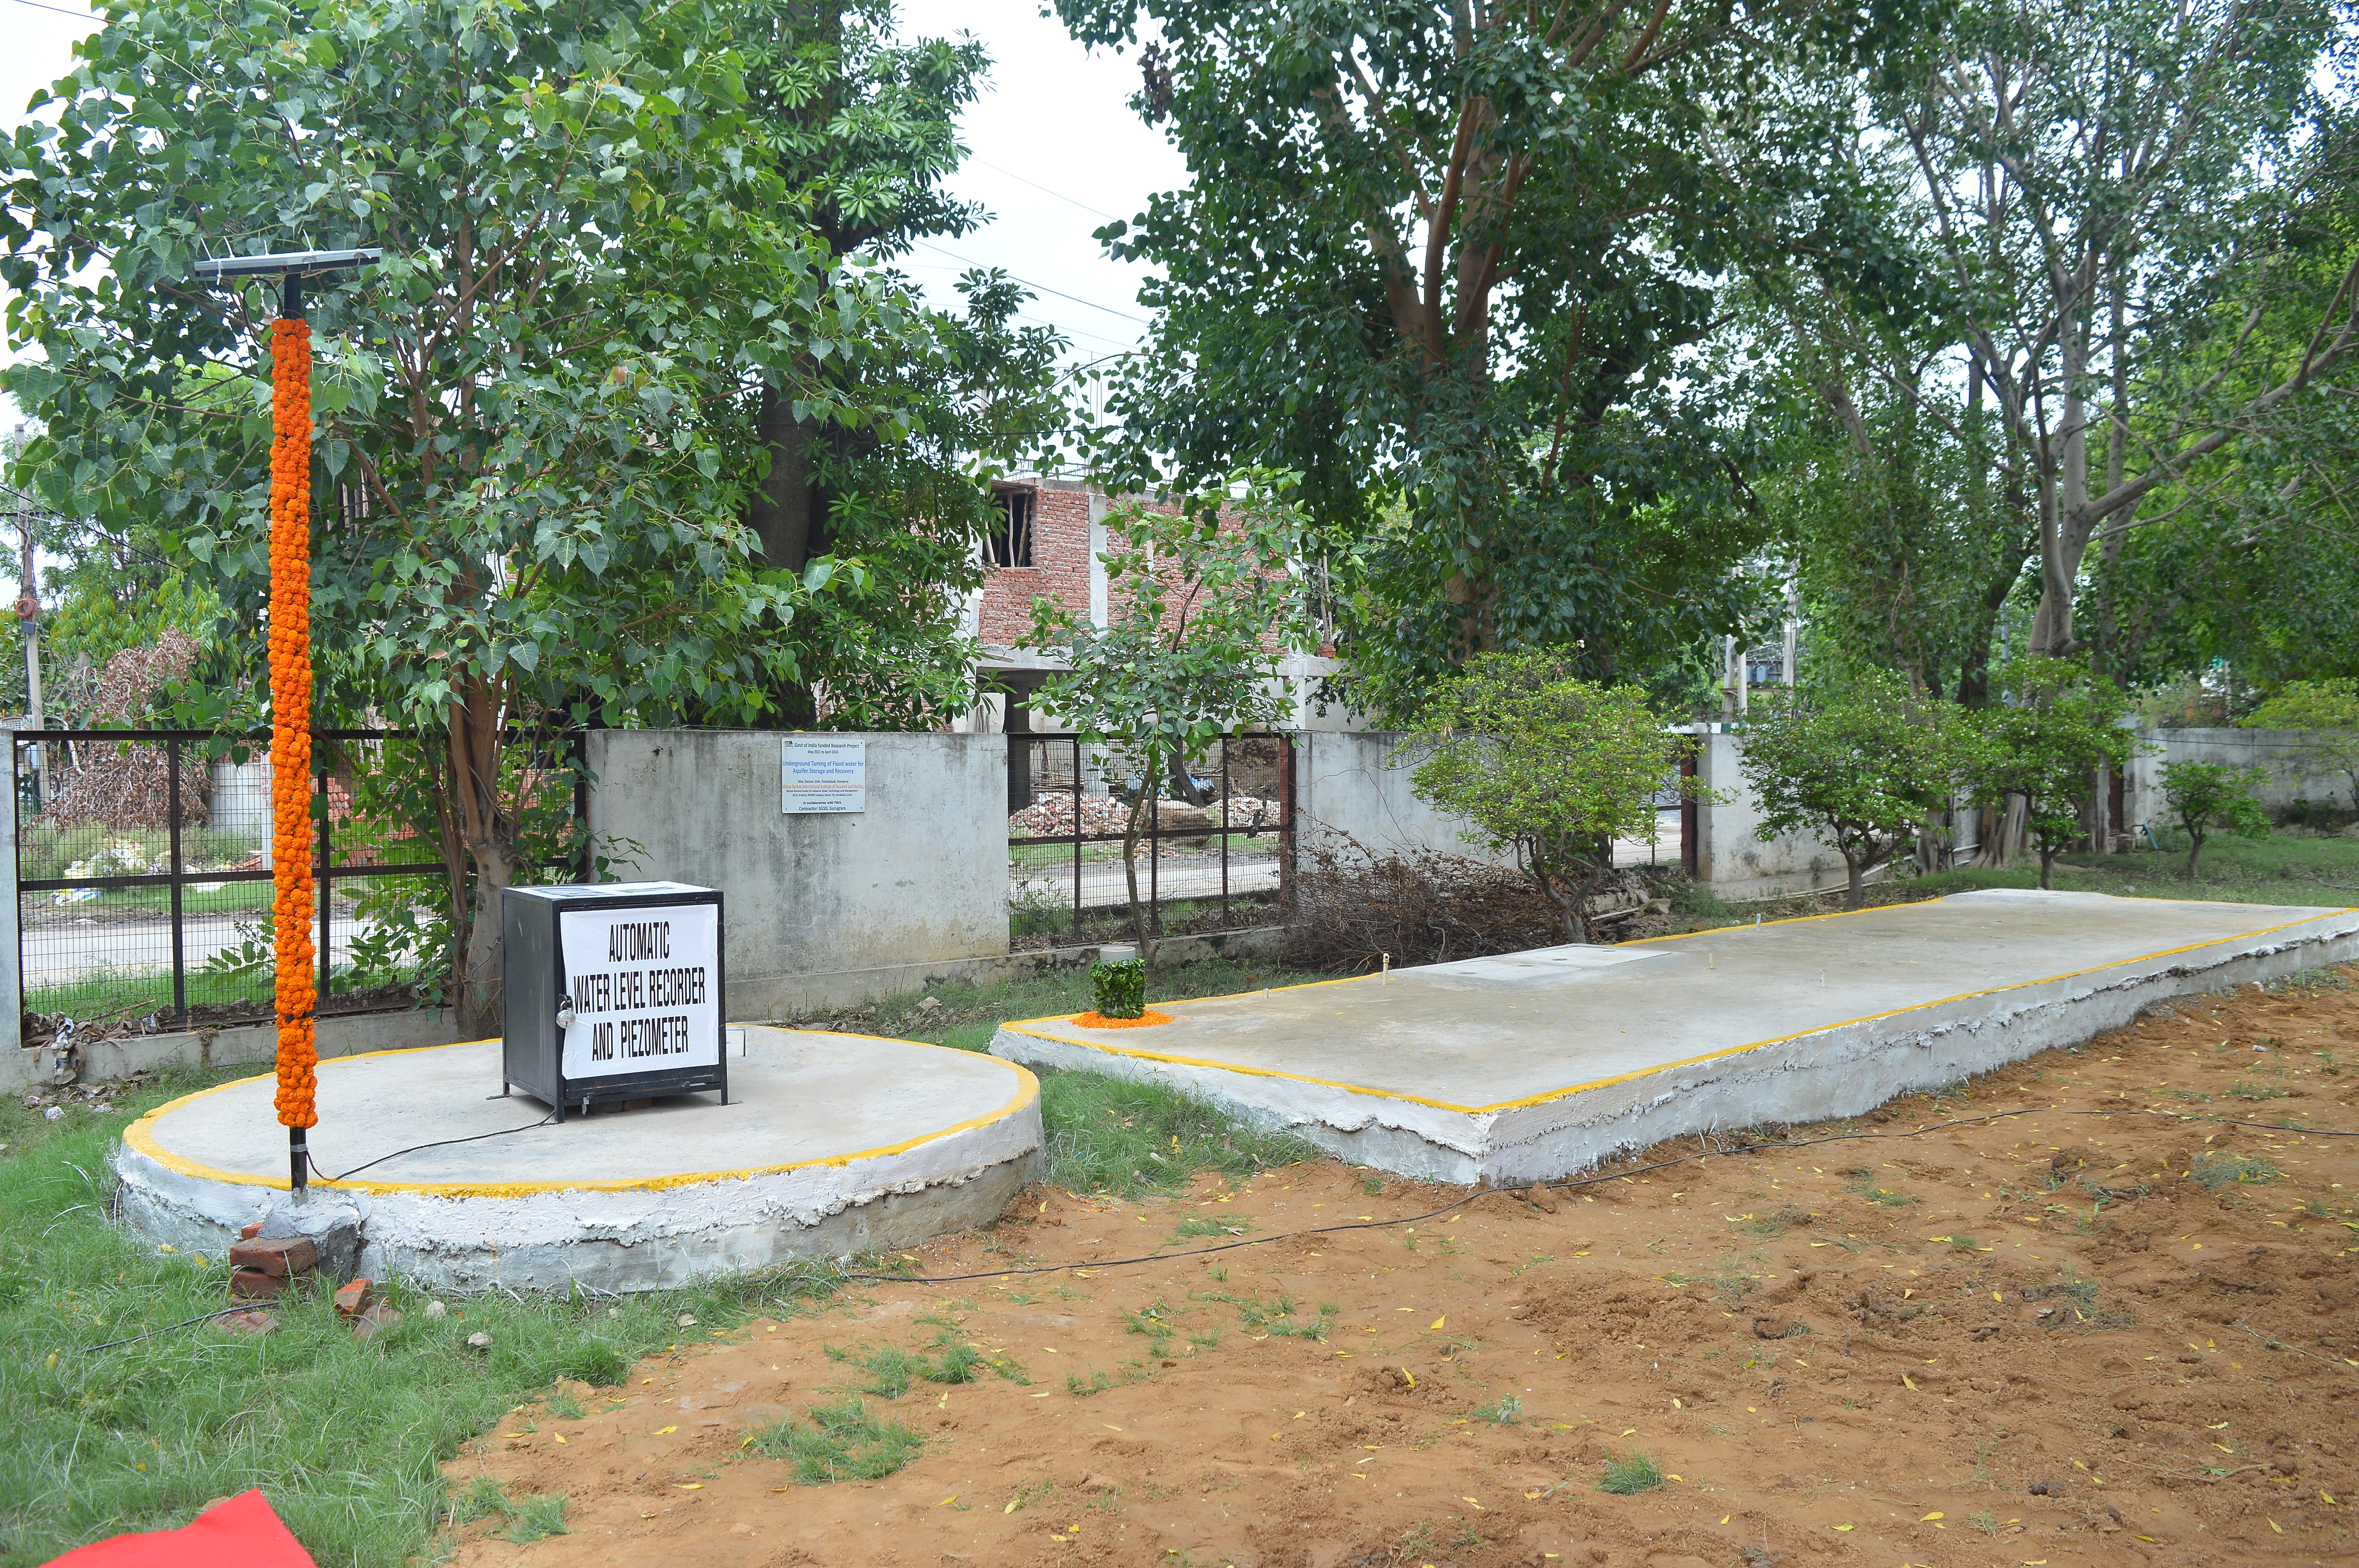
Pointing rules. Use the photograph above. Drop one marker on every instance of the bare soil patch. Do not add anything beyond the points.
(2046, 1339)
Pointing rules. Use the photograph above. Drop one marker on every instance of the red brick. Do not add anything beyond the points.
(253, 1285)
(250, 1231)
(370, 1321)
(284, 1255)
(355, 1298)
(256, 1321)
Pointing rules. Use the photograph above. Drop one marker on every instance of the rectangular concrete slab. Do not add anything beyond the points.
(1531, 1065)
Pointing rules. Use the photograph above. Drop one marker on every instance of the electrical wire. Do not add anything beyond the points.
(1044, 190)
(438, 1143)
(1042, 286)
(168, 1328)
(87, 16)
(1567, 1183)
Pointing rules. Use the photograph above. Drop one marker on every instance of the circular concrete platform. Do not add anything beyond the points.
(830, 1144)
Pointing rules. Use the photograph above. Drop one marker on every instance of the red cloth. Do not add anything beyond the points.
(240, 1533)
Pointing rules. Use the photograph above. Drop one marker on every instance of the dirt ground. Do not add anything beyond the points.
(2040, 1340)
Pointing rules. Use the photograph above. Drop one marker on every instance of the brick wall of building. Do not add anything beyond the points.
(1060, 568)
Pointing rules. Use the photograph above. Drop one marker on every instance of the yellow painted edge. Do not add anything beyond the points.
(1028, 1026)
(140, 1135)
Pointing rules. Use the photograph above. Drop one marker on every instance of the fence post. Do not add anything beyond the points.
(327, 884)
(11, 970)
(179, 931)
(1077, 837)
(1224, 830)
(1285, 837)
(1691, 809)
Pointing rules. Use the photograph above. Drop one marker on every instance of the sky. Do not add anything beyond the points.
(1055, 149)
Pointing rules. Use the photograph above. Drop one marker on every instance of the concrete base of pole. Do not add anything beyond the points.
(830, 1145)
(1539, 1065)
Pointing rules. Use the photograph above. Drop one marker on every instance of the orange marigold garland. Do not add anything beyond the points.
(290, 713)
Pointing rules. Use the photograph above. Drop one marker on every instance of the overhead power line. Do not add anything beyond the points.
(1044, 190)
(77, 16)
(1042, 286)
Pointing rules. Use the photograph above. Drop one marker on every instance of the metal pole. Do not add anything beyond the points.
(1224, 831)
(180, 935)
(28, 613)
(1077, 837)
(326, 880)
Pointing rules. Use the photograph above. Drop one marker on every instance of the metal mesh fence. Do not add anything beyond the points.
(1214, 852)
(144, 874)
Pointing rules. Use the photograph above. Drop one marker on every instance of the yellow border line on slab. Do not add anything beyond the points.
(140, 1135)
(1028, 1026)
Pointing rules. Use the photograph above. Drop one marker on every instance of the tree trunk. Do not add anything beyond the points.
(2194, 853)
(780, 509)
(1142, 808)
(1858, 880)
(2047, 868)
(478, 818)
(1569, 896)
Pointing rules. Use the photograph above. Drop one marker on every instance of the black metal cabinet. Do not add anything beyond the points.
(613, 992)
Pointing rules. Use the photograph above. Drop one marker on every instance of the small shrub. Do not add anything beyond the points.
(1628, 1473)
(1121, 989)
(2214, 1171)
(841, 1441)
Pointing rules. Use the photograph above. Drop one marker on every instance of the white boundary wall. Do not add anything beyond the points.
(2291, 776)
(920, 876)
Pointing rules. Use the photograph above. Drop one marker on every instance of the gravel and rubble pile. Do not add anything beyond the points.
(1051, 815)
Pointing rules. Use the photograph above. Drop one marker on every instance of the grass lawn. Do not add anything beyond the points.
(344, 1437)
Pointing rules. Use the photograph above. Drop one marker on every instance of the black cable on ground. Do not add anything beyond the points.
(168, 1328)
(1563, 1185)
(1569, 1182)
(438, 1143)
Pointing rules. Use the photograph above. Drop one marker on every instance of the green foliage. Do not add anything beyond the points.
(1202, 605)
(529, 1518)
(2214, 1170)
(536, 419)
(2044, 746)
(2213, 797)
(1453, 266)
(348, 1436)
(1545, 764)
(1627, 1475)
(2330, 709)
(1131, 1139)
(841, 1441)
(1120, 988)
(1865, 763)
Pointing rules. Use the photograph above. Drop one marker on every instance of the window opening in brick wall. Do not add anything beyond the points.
(1008, 543)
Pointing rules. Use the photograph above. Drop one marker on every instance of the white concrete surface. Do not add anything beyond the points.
(1539, 1065)
(830, 1145)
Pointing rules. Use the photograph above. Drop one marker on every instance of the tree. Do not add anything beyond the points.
(2098, 179)
(1452, 264)
(2044, 746)
(1203, 603)
(1863, 763)
(536, 420)
(1545, 764)
(2210, 797)
(2330, 711)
